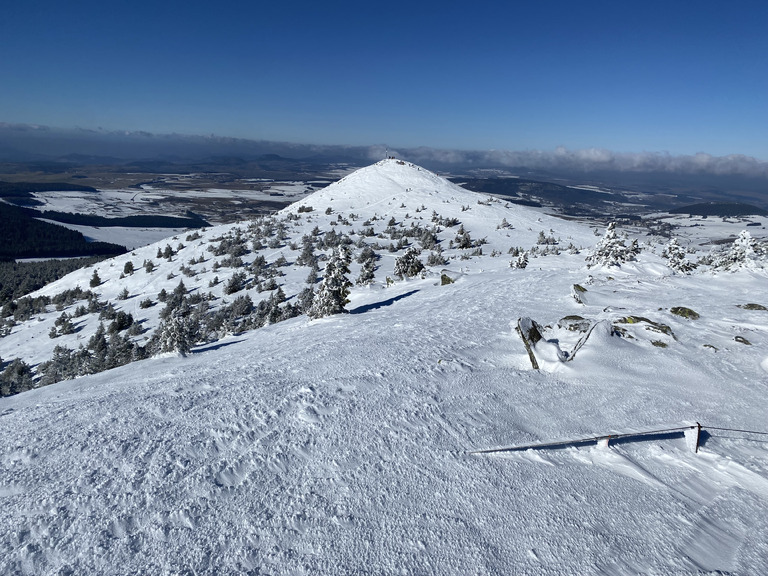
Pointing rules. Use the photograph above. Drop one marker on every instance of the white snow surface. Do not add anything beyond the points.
(129, 236)
(342, 445)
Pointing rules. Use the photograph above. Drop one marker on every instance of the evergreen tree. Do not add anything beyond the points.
(305, 299)
(366, 272)
(332, 296)
(675, 255)
(178, 332)
(521, 262)
(64, 323)
(612, 249)
(408, 264)
(235, 283)
(463, 240)
(367, 258)
(366, 253)
(16, 378)
(120, 351)
(98, 348)
(436, 257)
(62, 366)
(307, 256)
(745, 251)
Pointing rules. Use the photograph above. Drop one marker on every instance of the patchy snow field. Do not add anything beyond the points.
(341, 445)
(129, 236)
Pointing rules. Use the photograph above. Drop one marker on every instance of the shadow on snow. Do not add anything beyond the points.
(376, 305)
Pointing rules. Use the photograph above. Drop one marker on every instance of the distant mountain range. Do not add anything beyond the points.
(698, 177)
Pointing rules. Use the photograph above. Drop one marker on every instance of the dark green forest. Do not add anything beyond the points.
(20, 278)
(20, 193)
(142, 221)
(723, 209)
(22, 236)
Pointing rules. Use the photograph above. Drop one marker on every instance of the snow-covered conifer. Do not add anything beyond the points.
(305, 298)
(367, 272)
(744, 252)
(521, 261)
(333, 293)
(612, 249)
(408, 264)
(16, 378)
(178, 332)
(675, 255)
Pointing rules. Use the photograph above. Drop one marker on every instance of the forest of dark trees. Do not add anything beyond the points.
(139, 221)
(20, 193)
(20, 278)
(22, 236)
(723, 209)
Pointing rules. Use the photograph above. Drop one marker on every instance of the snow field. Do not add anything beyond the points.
(341, 445)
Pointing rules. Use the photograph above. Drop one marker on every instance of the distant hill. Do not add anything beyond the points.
(720, 209)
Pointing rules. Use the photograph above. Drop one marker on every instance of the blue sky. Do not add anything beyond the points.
(680, 77)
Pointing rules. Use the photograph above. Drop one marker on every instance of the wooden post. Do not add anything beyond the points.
(529, 334)
(698, 436)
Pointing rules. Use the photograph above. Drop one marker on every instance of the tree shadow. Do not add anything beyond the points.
(214, 346)
(376, 305)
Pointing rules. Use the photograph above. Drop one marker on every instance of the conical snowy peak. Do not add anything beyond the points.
(383, 183)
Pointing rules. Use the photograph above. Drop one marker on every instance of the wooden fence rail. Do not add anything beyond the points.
(607, 438)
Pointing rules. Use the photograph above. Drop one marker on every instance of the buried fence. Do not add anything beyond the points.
(691, 432)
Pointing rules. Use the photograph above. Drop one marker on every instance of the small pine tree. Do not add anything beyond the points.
(307, 256)
(745, 251)
(521, 262)
(612, 249)
(305, 299)
(675, 255)
(235, 283)
(332, 296)
(95, 279)
(408, 264)
(64, 323)
(366, 272)
(179, 332)
(16, 378)
(463, 240)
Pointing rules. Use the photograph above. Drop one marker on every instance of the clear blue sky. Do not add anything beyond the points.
(681, 77)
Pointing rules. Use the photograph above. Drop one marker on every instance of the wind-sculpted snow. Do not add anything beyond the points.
(340, 445)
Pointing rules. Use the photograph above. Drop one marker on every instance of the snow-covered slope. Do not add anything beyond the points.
(341, 445)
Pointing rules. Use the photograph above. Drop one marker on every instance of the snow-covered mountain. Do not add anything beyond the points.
(343, 444)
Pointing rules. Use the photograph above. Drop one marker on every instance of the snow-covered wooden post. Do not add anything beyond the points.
(693, 437)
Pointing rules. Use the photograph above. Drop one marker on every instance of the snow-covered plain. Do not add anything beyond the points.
(341, 445)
